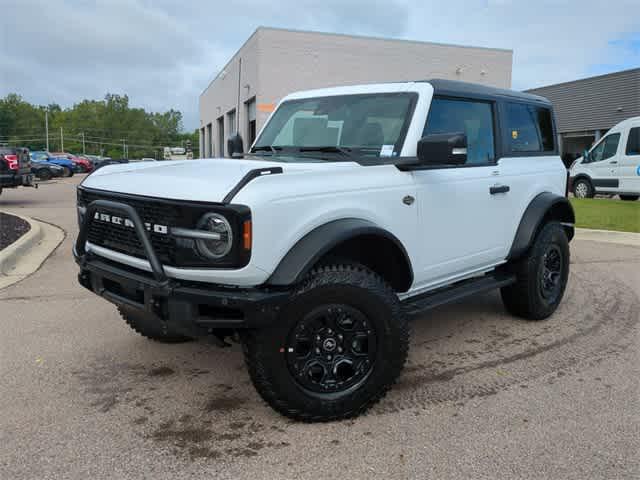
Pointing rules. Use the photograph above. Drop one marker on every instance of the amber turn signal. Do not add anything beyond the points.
(246, 235)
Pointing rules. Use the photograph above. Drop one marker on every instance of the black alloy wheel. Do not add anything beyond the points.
(332, 349)
(551, 273)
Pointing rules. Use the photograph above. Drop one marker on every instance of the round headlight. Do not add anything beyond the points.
(215, 248)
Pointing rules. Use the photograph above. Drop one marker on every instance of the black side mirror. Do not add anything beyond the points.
(443, 149)
(235, 146)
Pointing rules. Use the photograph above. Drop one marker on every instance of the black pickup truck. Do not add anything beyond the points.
(15, 168)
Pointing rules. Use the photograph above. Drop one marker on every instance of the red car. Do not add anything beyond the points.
(83, 165)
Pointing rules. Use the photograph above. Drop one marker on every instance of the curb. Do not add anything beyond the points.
(27, 254)
(608, 236)
(10, 255)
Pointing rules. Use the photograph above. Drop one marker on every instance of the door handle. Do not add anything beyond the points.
(499, 189)
(613, 161)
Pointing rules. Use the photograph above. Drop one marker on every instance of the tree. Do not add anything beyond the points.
(104, 125)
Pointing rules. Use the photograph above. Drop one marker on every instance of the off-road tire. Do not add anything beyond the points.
(344, 283)
(629, 198)
(150, 327)
(582, 188)
(525, 298)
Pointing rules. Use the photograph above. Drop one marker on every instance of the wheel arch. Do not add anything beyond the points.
(543, 208)
(352, 238)
(581, 176)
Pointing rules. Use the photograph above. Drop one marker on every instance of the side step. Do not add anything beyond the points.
(441, 296)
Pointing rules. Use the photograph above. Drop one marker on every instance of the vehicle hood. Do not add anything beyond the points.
(206, 180)
(577, 162)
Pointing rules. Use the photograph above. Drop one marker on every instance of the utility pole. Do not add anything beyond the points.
(83, 148)
(61, 140)
(124, 148)
(46, 125)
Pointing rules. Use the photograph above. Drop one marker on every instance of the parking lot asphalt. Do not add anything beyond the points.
(483, 395)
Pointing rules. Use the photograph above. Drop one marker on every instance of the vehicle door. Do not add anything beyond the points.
(530, 163)
(603, 164)
(630, 163)
(461, 228)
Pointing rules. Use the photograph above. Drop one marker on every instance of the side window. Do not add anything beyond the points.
(605, 149)
(473, 118)
(528, 128)
(633, 142)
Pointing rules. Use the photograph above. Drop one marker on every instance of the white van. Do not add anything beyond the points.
(612, 166)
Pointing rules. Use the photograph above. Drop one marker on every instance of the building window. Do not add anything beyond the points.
(231, 122)
(209, 151)
(529, 128)
(251, 121)
(220, 123)
(633, 143)
(473, 118)
(202, 142)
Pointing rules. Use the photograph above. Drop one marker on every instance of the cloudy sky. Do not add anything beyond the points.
(163, 53)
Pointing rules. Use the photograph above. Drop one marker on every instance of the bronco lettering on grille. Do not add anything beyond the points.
(105, 217)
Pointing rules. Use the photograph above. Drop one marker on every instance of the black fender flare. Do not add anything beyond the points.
(309, 249)
(545, 206)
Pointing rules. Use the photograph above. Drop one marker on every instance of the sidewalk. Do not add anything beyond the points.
(608, 236)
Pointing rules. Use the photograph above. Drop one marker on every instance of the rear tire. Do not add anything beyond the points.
(582, 188)
(151, 327)
(542, 276)
(629, 198)
(338, 346)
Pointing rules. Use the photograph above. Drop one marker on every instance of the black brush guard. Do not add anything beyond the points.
(194, 309)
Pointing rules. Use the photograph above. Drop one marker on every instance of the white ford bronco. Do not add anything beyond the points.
(356, 208)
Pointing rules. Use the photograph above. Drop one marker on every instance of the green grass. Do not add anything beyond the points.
(607, 214)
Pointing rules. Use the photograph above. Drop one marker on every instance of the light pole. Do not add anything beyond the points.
(46, 125)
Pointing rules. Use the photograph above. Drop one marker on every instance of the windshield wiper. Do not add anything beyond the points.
(328, 149)
(266, 148)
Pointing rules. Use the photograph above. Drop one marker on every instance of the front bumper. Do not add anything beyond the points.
(192, 308)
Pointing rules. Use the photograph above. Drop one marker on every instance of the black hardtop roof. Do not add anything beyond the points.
(457, 88)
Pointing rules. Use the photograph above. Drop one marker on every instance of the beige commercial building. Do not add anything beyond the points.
(275, 62)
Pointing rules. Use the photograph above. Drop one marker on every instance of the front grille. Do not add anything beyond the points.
(172, 251)
(124, 239)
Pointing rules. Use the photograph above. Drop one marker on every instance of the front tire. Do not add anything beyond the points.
(44, 174)
(542, 276)
(629, 198)
(582, 188)
(150, 327)
(338, 346)
(67, 172)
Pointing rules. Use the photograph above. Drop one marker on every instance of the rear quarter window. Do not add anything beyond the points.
(528, 129)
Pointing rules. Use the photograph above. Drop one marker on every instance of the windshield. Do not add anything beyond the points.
(339, 127)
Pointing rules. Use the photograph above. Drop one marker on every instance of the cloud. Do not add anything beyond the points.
(162, 53)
